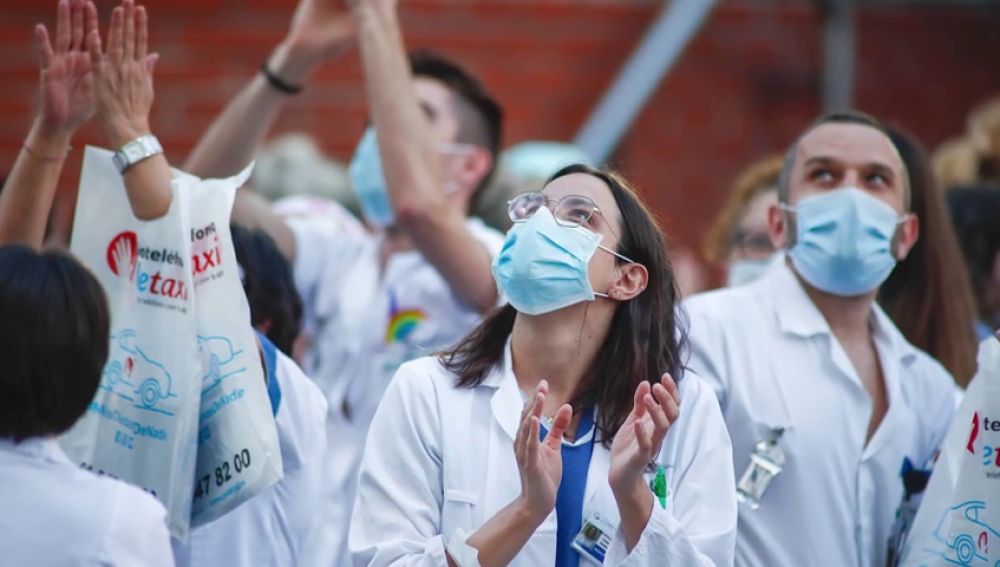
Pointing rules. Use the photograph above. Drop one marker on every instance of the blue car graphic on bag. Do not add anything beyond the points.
(135, 376)
(967, 537)
(219, 361)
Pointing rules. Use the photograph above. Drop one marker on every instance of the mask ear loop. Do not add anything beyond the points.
(625, 259)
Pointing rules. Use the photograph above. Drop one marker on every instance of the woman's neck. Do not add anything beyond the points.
(558, 347)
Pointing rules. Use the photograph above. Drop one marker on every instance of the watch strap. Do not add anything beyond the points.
(135, 151)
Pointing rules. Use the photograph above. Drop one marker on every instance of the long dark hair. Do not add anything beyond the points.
(645, 339)
(928, 294)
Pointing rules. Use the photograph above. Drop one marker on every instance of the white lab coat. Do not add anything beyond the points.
(56, 514)
(441, 459)
(272, 528)
(368, 321)
(774, 362)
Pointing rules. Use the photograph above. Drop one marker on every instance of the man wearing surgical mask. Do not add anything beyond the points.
(823, 397)
(420, 278)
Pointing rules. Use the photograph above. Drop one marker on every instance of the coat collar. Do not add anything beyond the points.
(798, 315)
(506, 402)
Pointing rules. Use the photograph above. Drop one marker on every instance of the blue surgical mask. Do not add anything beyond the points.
(542, 266)
(368, 182)
(844, 241)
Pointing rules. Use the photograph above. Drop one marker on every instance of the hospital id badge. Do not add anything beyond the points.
(767, 460)
(594, 539)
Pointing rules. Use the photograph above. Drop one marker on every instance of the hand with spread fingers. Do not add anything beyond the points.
(67, 85)
(321, 29)
(540, 461)
(66, 100)
(640, 437)
(123, 74)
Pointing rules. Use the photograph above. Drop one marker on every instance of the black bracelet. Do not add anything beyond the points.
(277, 82)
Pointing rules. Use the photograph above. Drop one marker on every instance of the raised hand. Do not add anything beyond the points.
(540, 462)
(123, 75)
(321, 28)
(66, 84)
(640, 437)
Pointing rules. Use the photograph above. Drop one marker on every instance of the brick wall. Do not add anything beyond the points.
(746, 85)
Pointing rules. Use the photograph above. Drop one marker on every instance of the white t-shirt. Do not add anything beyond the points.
(273, 527)
(54, 513)
(367, 322)
(774, 363)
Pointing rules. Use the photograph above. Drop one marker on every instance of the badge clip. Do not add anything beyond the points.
(766, 462)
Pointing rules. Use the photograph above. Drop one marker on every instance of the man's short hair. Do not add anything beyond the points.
(839, 117)
(54, 326)
(480, 117)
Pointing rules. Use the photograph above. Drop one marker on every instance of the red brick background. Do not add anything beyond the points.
(746, 85)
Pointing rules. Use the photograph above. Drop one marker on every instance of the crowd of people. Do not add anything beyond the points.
(531, 390)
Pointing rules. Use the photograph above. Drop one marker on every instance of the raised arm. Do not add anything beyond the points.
(318, 32)
(411, 158)
(123, 79)
(66, 100)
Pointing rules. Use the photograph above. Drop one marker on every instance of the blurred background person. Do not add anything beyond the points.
(975, 212)
(975, 156)
(523, 168)
(928, 294)
(738, 240)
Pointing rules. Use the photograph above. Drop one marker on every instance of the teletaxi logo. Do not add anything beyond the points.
(123, 254)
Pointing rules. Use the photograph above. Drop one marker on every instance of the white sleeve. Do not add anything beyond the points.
(321, 246)
(707, 345)
(138, 533)
(301, 422)
(312, 241)
(397, 513)
(699, 528)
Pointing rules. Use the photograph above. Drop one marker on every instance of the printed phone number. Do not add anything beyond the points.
(223, 474)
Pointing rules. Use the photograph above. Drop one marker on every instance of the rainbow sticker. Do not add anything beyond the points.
(402, 323)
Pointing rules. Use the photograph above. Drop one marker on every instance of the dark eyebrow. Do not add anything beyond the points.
(881, 168)
(819, 160)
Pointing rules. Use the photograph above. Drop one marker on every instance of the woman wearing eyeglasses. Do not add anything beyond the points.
(563, 430)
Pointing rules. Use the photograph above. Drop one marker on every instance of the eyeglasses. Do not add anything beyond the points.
(570, 211)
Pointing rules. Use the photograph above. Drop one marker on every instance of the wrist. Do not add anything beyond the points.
(120, 135)
(47, 140)
(374, 14)
(528, 513)
(634, 498)
(293, 61)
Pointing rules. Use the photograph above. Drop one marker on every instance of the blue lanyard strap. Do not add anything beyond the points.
(271, 371)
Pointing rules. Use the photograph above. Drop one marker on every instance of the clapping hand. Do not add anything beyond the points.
(67, 85)
(321, 29)
(640, 437)
(123, 75)
(540, 461)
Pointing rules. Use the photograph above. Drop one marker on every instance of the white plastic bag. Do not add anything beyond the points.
(238, 451)
(141, 425)
(959, 519)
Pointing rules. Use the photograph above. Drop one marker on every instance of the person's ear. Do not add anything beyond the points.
(469, 167)
(779, 226)
(632, 280)
(906, 236)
